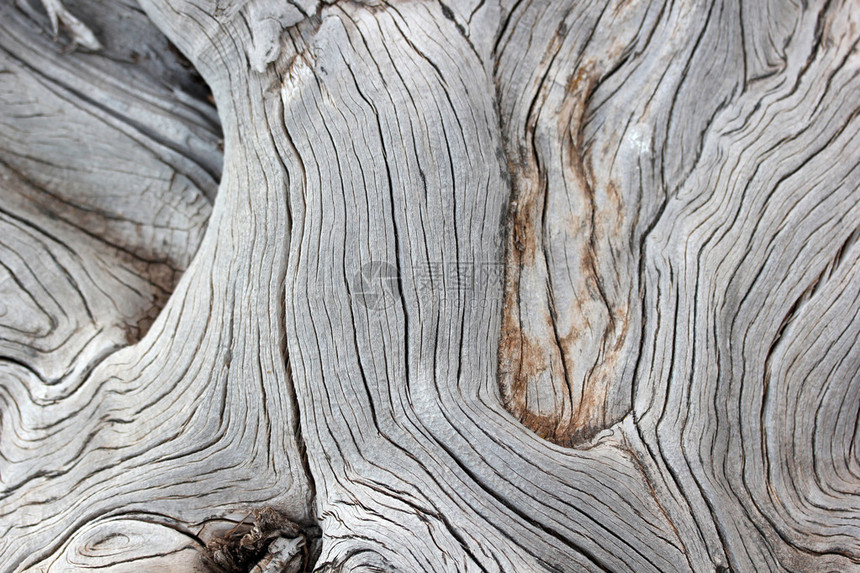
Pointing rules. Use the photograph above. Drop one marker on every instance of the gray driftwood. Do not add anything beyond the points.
(476, 286)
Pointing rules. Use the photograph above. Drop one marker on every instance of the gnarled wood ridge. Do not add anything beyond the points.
(476, 286)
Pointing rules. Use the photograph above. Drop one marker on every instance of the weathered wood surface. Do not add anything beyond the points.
(516, 286)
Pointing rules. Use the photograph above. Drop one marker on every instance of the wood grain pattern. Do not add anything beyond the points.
(486, 286)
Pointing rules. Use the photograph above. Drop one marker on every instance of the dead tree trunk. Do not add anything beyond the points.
(484, 286)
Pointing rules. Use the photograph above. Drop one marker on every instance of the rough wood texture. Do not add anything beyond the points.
(485, 286)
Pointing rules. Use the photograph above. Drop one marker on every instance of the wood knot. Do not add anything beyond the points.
(266, 540)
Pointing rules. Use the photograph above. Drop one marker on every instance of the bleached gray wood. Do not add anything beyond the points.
(486, 286)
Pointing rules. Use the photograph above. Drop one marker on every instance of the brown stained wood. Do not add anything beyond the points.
(271, 335)
(569, 229)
